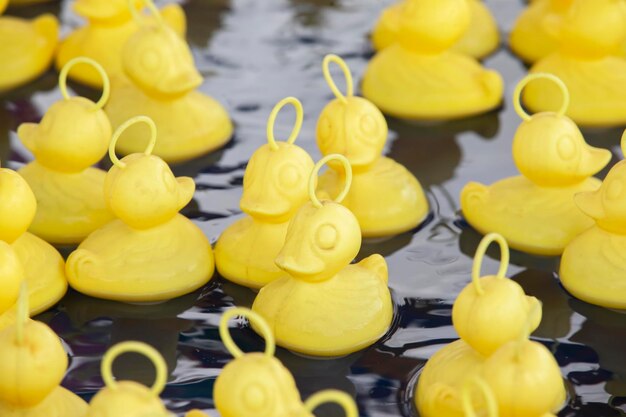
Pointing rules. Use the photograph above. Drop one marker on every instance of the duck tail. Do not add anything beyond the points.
(80, 264)
(48, 26)
(376, 264)
(473, 195)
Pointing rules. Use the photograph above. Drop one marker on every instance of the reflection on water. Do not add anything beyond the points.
(252, 54)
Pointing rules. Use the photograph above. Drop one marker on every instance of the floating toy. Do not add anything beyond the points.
(150, 252)
(11, 276)
(480, 39)
(109, 25)
(160, 81)
(535, 211)
(26, 47)
(589, 34)
(73, 135)
(326, 306)
(33, 363)
(419, 77)
(384, 196)
(274, 188)
(41, 265)
(257, 384)
(593, 266)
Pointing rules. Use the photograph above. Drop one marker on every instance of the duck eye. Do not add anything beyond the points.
(566, 147)
(255, 397)
(249, 174)
(615, 189)
(326, 236)
(325, 130)
(288, 176)
(369, 126)
(150, 60)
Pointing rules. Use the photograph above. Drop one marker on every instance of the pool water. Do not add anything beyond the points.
(252, 54)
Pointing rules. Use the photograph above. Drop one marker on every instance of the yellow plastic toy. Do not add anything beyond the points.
(420, 77)
(480, 39)
(535, 211)
(150, 252)
(274, 188)
(26, 48)
(109, 25)
(593, 265)
(33, 363)
(326, 306)
(160, 81)
(41, 265)
(257, 384)
(384, 196)
(589, 35)
(73, 135)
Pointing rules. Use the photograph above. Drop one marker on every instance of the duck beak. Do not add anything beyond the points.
(264, 203)
(186, 190)
(590, 203)
(297, 259)
(27, 132)
(534, 308)
(593, 160)
(183, 80)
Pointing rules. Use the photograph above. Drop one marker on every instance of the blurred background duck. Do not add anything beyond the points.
(420, 77)
(150, 252)
(160, 81)
(274, 188)
(384, 196)
(109, 25)
(326, 306)
(73, 135)
(480, 39)
(26, 47)
(43, 266)
(535, 211)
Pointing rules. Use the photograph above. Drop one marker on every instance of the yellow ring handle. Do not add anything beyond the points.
(297, 105)
(480, 254)
(466, 398)
(150, 4)
(517, 95)
(106, 85)
(138, 347)
(346, 73)
(122, 128)
(332, 396)
(22, 313)
(253, 317)
(313, 178)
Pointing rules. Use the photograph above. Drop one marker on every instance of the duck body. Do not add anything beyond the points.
(389, 182)
(334, 317)
(26, 48)
(533, 219)
(119, 262)
(102, 40)
(446, 85)
(480, 40)
(69, 205)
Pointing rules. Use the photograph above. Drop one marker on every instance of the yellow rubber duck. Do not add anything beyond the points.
(257, 384)
(42, 265)
(589, 34)
(11, 276)
(535, 211)
(480, 39)
(109, 25)
(73, 135)
(150, 252)
(326, 306)
(384, 196)
(593, 265)
(26, 47)
(160, 81)
(420, 77)
(33, 363)
(274, 188)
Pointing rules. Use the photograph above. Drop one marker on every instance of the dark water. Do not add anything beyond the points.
(253, 53)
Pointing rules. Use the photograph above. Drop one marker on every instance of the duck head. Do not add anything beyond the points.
(159, 61)
(323, 237)
(472, 312)
(141, 189)
(432, 26)
(32, 359)
(17, 205)
(11, 276)
(274, 184)
(590, 29)
(348, 125)
(548, 147)
(110, 11)
(75, 132)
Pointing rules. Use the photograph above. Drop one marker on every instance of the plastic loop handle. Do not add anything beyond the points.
(253, 317)
(106, 85)
(480, 254)
(331, 58)
(466, 397)
(296, 126)
(137, 119)
(517, 95)
(332, 396)
(313, 178)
